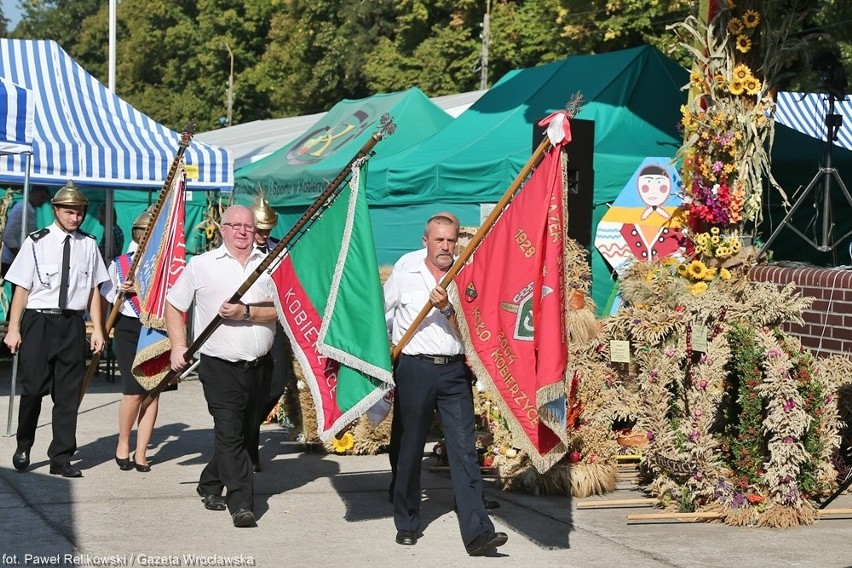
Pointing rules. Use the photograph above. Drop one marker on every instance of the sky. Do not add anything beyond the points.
(12, 12)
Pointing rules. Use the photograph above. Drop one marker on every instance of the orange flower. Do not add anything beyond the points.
(752, 498)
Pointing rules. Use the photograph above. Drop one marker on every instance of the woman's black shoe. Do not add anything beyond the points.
(124, 464)
(140, 467)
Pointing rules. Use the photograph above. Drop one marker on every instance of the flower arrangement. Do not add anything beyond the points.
(743, 424)
(726, 130)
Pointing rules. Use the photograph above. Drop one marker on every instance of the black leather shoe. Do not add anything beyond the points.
(406, 538)
(490, 504)
(65, 470)
(124, 464)
(486, 542)
(211, 502)
(244, 518)
(21, 459)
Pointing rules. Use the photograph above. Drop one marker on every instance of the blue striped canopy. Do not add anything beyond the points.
(86, 133)
(806, 113)
(17, 107)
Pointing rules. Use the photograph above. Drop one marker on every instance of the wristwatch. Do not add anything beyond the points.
(247, 313)
(448, 311)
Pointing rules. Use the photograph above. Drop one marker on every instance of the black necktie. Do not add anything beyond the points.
(63, 280)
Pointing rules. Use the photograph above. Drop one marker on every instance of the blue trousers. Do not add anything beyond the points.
(422, 387)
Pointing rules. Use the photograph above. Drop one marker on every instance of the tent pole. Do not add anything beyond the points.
(109, 223)
(23, 236)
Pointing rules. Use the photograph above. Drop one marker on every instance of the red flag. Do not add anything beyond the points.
(512, 298)
(162, 262)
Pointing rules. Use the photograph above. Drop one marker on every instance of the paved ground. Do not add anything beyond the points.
(315, 509)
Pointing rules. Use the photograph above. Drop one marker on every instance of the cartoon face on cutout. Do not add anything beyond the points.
(654, 186)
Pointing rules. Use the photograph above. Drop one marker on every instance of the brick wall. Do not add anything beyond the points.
(828, 322)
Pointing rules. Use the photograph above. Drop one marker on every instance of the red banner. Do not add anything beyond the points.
(512, 297)
(305, 323)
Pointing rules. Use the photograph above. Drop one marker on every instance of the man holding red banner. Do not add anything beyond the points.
(430, 374)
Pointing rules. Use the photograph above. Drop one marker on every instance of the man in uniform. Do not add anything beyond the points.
(57, 273)
(278, 377)
(431, 373)
(232, 358)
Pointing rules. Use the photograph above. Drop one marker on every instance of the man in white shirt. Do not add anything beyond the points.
(232, 358)
(431, 373)
(57, 273)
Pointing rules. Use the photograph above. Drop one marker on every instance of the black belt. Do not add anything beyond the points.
(57, 311)
(440, 359)
(243, 364)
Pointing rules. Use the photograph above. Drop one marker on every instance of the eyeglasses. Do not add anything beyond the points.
(240, 227)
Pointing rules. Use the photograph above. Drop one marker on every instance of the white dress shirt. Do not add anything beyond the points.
(38, 268)
(210, 280)
(406, 291)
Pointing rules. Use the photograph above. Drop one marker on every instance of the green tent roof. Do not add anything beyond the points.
(295, 174)
(634, 97)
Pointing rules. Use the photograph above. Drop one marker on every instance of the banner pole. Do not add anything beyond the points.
(185, 138)
(29, 160)
(534, 160)
(386, 128)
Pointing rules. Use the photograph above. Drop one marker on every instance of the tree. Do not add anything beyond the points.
(58, 20)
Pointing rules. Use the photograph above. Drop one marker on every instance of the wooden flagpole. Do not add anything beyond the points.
(386, 128)
(185, 138)
(534, 160)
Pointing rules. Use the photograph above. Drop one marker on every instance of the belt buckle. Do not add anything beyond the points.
(441, 360)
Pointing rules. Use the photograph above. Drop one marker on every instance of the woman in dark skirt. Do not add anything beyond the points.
(126, 335)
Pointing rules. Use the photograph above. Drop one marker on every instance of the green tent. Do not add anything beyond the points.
(633, 96)
(293, 176)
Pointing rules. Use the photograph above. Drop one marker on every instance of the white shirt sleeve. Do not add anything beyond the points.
(181, 294)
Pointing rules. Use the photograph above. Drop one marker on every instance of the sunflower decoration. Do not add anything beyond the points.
(741, 72)
(343, 444)
(752, 86)
(751, 19)
(743, 44)
(696, 270)
(736, 26)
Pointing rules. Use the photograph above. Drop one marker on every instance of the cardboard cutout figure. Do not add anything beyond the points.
(644, 222)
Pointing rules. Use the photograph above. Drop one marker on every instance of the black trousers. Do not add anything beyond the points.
(421, 387)
(126, 338)
(51, 359)
(231, 391)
